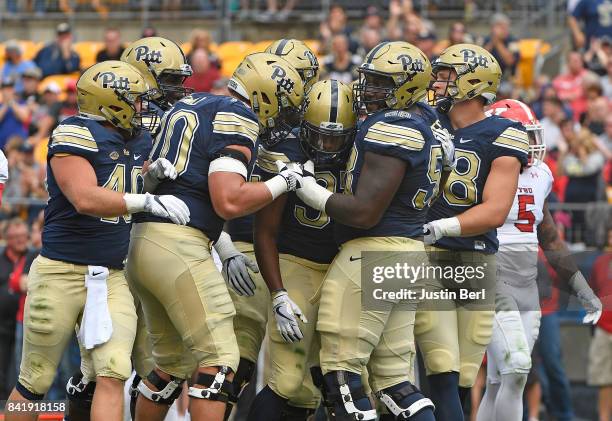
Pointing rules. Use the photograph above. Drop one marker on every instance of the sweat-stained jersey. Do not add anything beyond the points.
(304, 232)
(476, 147)
(409, 136)
(192, 134)
(521, 226)
(87, 240)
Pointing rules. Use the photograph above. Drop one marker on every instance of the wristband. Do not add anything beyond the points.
(135, 202)
(449, 227)
(277, 186)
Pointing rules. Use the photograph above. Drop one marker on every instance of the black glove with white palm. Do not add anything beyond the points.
(286, 313)
(235, 266)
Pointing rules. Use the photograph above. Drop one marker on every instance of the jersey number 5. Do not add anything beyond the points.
(524, 214)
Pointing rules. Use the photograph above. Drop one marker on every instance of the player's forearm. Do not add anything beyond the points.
(266, 253)
(576, 32)
(349, 210)
(99, 202)
(555, 249)
(245, 199)
(483, 218)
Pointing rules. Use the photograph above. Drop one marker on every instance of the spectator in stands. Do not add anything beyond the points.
(32, 175)
(606, 81)
(503, 45)
(201, 39)
(204, 74)
(426, 41)
(67, 107)
(149, 31)
(598, 108)
(42, 120)
(335, 24)
(14, 262)
(600, 351)
(13, 113)
(18, 280)
(340, 64)
(58, 57)
(569, 85)
(596, 22)
(598, 55)
(220, 87)
(456, 35)
(14, 64)
(113, 48)
(272, 11)
(31, 79)
(373, 20)
(369, 38)
(605, 140)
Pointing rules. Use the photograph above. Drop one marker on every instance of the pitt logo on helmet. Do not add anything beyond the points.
(110, 80)
(143, 53)
(410, 64)
(283, 83)
(470, 56)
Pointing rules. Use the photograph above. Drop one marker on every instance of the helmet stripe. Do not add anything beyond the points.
(333, 112)
(375, 50)
(281, 47)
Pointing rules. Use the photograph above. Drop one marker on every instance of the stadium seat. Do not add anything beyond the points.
(61, 81)
(530, 50)
(228, 66)
(234, 50)
(30, 48)
(260, 46)
(314, 45)
(87, 50)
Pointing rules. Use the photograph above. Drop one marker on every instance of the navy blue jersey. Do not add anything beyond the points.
(192, 134)
(411, 137)
(597, 17)
(241, 229)
(82, 239)
(304, 232)
(476, 146)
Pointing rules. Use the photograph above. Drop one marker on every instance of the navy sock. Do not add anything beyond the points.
(465, 397)
(267, 406)
(445, 395)
(425, 414)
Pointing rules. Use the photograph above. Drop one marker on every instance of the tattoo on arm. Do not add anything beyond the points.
(555, 249)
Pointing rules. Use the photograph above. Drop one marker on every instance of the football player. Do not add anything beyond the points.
(187, 307)
(392, 174)
(294, 245)
(517, 316)
(164, 68)
(475, 201)
(248, 291)
(85, 237)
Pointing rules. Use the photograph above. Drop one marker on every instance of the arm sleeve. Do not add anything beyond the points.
(234, 125)
(513, 141)
(578, 11)
(72, 139)
(400, 139)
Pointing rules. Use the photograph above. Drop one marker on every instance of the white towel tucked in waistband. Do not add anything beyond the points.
(96, 325)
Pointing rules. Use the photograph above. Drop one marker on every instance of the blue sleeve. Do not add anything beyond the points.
(234, 124)
(512, 141)
(402, 139)
(580, 10)
(72, 139)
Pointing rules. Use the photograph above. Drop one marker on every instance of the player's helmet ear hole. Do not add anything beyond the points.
(474, 81)
(115, 108)
(411, 90)
(265, 99)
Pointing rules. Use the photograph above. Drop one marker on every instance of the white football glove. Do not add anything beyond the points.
(311, 192)
(587, 298)
(167, 206)
(288, 179)
(235, 266)
(162, 169)
(446, 227)
(286, 313)
(449, 160)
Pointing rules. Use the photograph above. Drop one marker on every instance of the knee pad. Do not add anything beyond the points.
(167, 391)
(467, 374)
(404, 400)
(338, 394)
(31, 396)
(520, 362)
(217, 388)
(80, 393)
(293, 413)
(439, 361)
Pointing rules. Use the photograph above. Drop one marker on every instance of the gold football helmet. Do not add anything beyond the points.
(275, 92)
(116, 92)
(301, 57)
(394, 75)
(472, 72)
(329, 124)
(163, 65)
